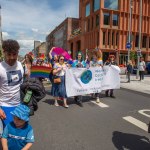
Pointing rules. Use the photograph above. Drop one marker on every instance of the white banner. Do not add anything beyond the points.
(82, 81)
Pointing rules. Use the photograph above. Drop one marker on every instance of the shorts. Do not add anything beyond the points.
(9, 116)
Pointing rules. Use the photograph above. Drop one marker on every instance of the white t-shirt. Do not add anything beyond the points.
(10, 79)
(142, 66)
(62, 72)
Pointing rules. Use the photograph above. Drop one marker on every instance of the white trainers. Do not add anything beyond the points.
(97, 100)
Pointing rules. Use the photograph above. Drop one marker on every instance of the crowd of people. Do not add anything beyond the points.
(59, 65)
(14, 115)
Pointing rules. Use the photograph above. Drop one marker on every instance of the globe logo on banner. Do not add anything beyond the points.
(86, 77)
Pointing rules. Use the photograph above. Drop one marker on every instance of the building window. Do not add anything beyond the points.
(92, 23)
(137, 41)
(72, 49)
(97, 38)
(87, 13)
(78, 45)
(117, 39)
(97, 20)
(96, 5)
(112, 38)
(111, 4)
(108, 38)
(144, 41)
(104, 36)
(106, 18)
(115, 20)
(88, 25)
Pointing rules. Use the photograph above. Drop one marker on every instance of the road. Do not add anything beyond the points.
(115, 125)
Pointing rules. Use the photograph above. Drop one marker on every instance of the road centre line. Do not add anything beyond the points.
(102, 105)
(136, 122)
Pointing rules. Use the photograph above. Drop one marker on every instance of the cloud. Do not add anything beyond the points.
(5, 35)
(25, 46)
(34, 30)
(28, 20)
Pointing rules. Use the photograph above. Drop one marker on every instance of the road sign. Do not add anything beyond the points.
(139, 52)
(128, 45)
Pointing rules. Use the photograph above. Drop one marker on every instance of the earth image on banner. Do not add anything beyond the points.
(86, 77)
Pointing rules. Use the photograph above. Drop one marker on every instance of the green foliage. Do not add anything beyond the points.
(133, 55)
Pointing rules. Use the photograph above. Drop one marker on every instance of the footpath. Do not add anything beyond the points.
(136, 85)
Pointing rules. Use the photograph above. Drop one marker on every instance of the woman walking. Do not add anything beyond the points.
(142, 67)
(58, 87)
(79, 63)
(96, 62)
(27, 64)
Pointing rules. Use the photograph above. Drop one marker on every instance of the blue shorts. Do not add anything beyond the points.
(9, 116)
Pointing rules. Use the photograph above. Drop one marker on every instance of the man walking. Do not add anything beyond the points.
(11, 76)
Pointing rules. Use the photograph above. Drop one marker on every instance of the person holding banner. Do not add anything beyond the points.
(79, 63)
(58, 86)
(96, 62)
(110, 61)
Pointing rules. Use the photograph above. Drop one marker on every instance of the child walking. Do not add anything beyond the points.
(18, 134)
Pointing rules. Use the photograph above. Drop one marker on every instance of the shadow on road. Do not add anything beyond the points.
(128, 141)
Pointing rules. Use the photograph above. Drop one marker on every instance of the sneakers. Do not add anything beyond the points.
(97, 100)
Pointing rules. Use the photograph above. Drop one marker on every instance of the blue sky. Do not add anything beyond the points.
(29, 20)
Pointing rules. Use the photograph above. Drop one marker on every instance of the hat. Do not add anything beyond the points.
(22, 112)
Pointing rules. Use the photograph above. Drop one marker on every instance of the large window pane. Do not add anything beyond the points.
(87, 9)
(144, 42)
(97, 20)
(115, 20)
(111, 4)
(137, 41)
(104, 36)
(106, 19)
(96, 4)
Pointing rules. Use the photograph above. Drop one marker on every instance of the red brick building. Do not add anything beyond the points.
(105, 24)
(61, 34)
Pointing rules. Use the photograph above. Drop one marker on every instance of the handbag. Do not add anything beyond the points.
(56, 80)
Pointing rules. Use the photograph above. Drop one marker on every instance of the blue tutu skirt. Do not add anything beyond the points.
(59, 90)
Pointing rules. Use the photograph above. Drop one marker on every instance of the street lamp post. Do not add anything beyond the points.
(130, 26)
(139, 44)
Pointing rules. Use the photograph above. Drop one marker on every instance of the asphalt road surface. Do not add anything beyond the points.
(115, 124)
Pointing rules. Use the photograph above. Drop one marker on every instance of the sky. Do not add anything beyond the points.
(29, 20)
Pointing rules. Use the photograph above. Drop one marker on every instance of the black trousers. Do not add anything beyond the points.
(111, 92)
(141, 75)
(128, 75)
(78, 99)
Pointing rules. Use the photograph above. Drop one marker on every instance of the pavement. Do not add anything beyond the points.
(136, 85)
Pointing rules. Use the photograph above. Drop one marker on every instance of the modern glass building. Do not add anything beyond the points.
(105, 24)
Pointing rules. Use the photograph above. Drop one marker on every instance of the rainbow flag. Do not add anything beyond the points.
(40, 71)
